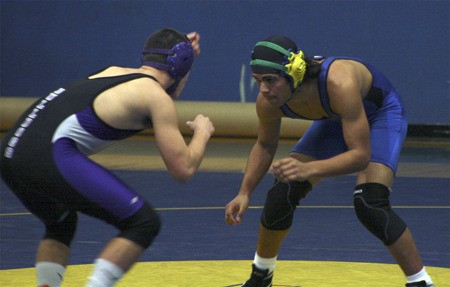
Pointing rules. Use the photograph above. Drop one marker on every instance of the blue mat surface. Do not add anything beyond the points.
(325, 226)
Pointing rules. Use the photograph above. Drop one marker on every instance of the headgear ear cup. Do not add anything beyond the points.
(180, 60)
(296, 68)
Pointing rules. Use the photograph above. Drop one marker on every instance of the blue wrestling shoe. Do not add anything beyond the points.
(259, 278)
(419, 284)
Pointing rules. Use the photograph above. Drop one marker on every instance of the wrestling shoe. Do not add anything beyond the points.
(419, 284)
(259, 278)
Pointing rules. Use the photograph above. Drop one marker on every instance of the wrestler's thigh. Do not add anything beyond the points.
(376, 172)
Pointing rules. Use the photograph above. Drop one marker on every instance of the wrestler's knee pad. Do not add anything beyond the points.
(142, 227)
(62, 230)
(281, 202)
(372, 207)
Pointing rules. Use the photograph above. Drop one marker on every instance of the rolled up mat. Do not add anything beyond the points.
(230, 119)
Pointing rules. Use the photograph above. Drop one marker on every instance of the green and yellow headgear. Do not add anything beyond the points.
(279, 55)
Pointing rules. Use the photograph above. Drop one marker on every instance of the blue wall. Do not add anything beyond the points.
(47, 43)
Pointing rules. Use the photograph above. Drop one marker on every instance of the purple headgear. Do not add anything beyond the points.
(178, 63)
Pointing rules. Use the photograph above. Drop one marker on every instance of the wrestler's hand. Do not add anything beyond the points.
(235, 209)
(290, 169)
(194, 37)
(201, 123)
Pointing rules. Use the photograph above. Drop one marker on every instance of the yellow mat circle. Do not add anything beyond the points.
(230, 273)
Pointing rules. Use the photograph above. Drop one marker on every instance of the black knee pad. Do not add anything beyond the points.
(281, 202)
(62, 230)
(371, 201)
(142, 227)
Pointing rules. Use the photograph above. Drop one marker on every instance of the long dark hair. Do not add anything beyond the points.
(313, 68)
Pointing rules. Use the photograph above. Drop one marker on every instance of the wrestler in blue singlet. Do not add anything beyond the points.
(385, 114)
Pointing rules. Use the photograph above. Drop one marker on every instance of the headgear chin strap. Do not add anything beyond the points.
(293, 66)
(178, 63)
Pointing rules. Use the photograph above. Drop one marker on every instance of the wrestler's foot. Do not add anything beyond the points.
(419, 284)
(259, 278)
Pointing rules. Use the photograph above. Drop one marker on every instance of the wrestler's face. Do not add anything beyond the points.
(274, 88)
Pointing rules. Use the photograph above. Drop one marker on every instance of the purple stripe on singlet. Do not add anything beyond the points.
(93, 181)
(96, 127)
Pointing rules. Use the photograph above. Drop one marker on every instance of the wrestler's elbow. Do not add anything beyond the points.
(363, 160)
(183, 175)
